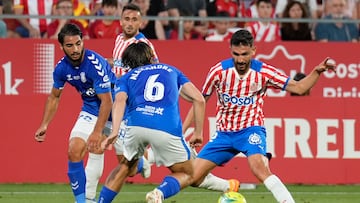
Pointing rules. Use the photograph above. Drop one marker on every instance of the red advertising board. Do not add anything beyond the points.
(314, 139)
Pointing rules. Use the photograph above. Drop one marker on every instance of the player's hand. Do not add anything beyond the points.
(40, 134)
(94, 142)
(109, 141)
(196, 140)
(327, 64)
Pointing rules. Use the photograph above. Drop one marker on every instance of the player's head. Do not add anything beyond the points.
(130, 20)
(242, 50)
(137, 54)
(70, 39)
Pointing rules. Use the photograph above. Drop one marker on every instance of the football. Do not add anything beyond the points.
(330, 62)
(233, 197)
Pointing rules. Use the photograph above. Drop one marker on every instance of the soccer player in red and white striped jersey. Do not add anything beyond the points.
(240, 84)
(130, 22)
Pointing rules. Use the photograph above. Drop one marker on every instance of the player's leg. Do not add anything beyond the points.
(258, 161)
(77, 149)
(143, 167)
(132, 148)
(212, 182)
(94, 170)
(172, 152)
(116, 180)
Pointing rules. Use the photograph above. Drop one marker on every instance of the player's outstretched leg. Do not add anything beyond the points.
(76, 174)
(94, 169)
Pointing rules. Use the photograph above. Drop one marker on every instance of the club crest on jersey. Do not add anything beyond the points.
(83, 77)
(254, 139)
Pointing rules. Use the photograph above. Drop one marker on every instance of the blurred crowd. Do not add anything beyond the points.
(268, 30)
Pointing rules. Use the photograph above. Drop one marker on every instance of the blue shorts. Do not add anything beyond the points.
(225, 145)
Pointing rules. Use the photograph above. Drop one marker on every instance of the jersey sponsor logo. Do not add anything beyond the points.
(90, 92)
(254, 139)
(105, 85)
(242, 101)
(150, 110)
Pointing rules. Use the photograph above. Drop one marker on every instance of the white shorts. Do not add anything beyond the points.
(168, 149)
(85, 124)
(119, 144)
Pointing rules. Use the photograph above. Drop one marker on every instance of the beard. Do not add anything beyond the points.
(75, 62)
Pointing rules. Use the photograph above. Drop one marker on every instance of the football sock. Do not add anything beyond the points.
(94, 169)
(106, 195)
(212, 182)
(169, 187)
(76, 174)
(278, 189)
(140, 165)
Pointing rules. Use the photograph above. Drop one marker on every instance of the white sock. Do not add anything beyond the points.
(212, 182)
(93, 170)
(278, 189)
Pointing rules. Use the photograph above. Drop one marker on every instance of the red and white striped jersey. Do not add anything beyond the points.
(240, 100)
(264, 32)
(37, 8)
(121, 44)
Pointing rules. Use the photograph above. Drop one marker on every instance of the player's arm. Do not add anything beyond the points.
(305, 84)
(118, 110)
(190, 93)
(94, 139)
(189, 119)
(51, 107)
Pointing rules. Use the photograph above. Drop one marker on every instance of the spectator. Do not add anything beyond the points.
(230, 6)
(106, 28)
(221, 31)
(310, 6)
(33, 27)
(299, 76)
(264, 31)
(152, 29)
(3, 30)
(81, 9)
(351, 9)
(336, 31)
(64, 8)
(251, 10)
(196, 8)
(94, 6)
(189, 30)
(295, 30)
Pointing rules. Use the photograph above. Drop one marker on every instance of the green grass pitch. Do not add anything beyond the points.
(135, 193)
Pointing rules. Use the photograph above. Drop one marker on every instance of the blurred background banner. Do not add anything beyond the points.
(314, 139)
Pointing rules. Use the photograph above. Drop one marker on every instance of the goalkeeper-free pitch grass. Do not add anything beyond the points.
(135, 193)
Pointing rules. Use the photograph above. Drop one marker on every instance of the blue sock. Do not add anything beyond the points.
(106, 195)
(140, 165)
(76, 174)
(169, 187)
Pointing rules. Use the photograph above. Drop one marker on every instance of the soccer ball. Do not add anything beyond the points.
(233, 197)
